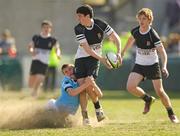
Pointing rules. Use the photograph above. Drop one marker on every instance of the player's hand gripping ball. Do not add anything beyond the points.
(113, 59)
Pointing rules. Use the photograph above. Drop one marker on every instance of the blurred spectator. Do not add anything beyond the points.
(7, 45)
(51, 74)
(7, 53)
(173, 12)
(173, 43)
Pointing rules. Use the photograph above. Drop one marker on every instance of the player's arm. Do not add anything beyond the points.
(76, 91)
(92, 53)
(128, 45)
(31, 48)
(163, 56)
(117, 41)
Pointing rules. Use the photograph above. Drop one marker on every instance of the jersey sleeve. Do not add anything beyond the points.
(66, 85)
(80, 36)
(55, 42)
(104, 26)
(134, 32)
(34, 39)
(155, 38)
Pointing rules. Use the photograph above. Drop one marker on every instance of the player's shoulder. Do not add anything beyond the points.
(36, 37)
(100, 22)
(79, 28)
(66, 80)
(153, 31)
(53, 38)
(135, 29)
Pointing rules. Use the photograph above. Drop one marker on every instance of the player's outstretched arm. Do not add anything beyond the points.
(91, 52)
(163, 57)
(117, 41)
(76, 91)
(129, 44)
(31, 48)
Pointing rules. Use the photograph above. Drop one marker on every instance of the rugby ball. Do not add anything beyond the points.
(113, 60)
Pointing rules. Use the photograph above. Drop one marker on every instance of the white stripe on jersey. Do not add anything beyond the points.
(146, 56)
(80, 37)
(156, 43)
(42, 55)
(108, 30)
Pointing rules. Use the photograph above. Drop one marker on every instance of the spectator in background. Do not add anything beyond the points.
(7, 45)
(173, 43)
(7, 52)
(173, 12)
(40, 48)
(51, 75)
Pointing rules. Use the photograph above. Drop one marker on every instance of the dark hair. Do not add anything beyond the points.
(65, 66)
(85, 10)
(46, 22)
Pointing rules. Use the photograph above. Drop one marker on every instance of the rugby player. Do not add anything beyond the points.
(90, 33)
(40, 48)
(69, 100)
(148, 45)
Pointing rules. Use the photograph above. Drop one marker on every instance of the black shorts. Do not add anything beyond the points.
(151, 72)
(87, 66)
(37, 67)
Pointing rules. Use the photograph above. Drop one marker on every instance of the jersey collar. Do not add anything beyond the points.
(45, 36)
(143, 33)
(91, 27)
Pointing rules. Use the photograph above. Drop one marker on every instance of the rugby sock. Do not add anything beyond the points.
(97, 105)
(146, 98)
(85, 114)
(170, 111)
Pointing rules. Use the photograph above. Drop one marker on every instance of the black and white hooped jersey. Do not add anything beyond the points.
(146, 44)
(93, 35)
(43, 46)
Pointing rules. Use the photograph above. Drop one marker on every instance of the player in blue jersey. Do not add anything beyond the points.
(69, 100)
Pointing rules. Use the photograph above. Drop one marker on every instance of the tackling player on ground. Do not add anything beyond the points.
(89, 34)
(69, 100)
(147, 63)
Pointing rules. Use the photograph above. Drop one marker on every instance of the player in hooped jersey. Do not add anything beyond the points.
(148, 44)
(40, 48)
(89, 34)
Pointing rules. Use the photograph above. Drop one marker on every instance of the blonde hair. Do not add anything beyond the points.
(146, 12)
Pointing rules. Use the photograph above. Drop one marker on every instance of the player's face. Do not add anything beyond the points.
(143, 21)
(68, 71)
(46, 29)
(83, 20)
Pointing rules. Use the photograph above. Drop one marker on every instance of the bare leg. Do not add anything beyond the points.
(132, 84)
(36, 84)
(161, 93)
(83, 103)
(93, 95)
(165, 99)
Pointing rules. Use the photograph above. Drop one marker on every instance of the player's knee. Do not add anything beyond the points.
(130, 87)
(160, 92)
(100, 95)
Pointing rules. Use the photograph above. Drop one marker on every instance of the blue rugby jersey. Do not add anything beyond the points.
(66, 100)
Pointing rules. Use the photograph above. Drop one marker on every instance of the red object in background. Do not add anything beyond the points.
(12, 53)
